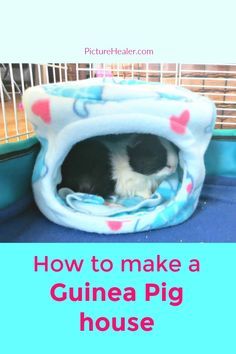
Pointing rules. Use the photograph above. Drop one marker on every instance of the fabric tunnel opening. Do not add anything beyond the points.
(119, 174)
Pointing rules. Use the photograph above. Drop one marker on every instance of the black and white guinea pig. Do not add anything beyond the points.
(141, 163)
(127, 165)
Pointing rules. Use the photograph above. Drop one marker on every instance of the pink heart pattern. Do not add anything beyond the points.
(41, 108)
(179, 123)
(115, 225)
(189, 188)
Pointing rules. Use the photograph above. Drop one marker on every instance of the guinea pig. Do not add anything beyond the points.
(141, 163)
(87, 169)
(147, 155)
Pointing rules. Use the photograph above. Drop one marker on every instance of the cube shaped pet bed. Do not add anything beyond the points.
(65, 113)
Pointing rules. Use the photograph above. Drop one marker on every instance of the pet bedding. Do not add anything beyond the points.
(66, 113)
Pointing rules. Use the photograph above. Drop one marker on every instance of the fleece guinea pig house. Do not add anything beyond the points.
(64, 114)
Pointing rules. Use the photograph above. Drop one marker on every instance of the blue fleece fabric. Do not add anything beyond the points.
(213, 221)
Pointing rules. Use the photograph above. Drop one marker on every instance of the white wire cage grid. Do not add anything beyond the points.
(216, 81)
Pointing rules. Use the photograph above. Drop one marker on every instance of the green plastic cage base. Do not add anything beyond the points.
(224, 132)
(18, 146)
